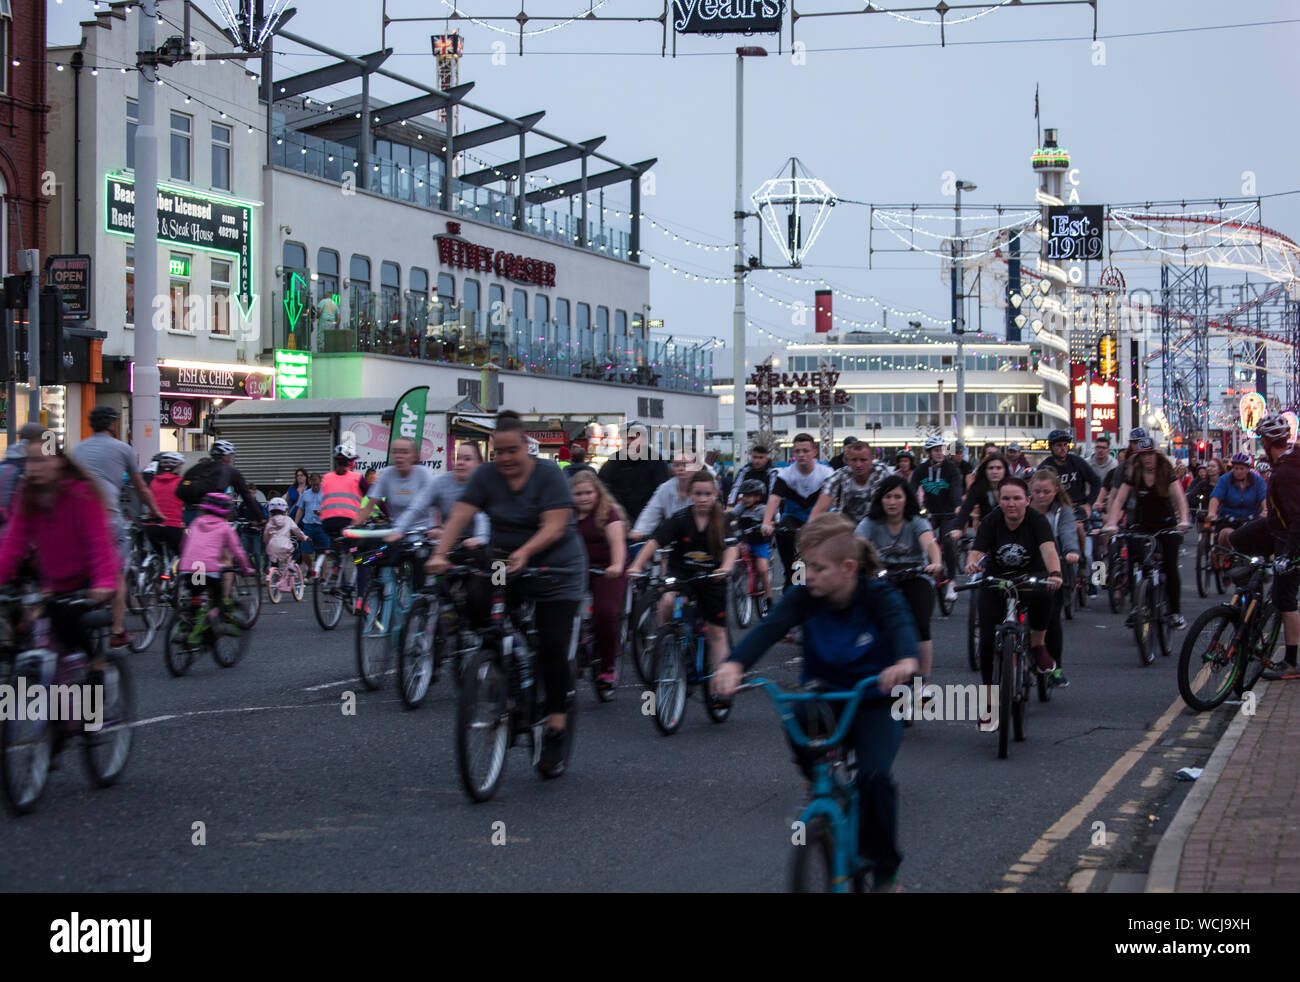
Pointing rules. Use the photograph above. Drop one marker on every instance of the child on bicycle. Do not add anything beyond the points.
(278, 536)
(854, 626)
(212, 543)
(699, 546)
(603, 527)
(747, 514)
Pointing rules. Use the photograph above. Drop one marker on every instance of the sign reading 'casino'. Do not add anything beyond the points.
(455, 251)
(728, 16)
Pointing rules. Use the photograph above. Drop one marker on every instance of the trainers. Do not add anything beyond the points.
(951, 594)
(1177, 622)
(120, 640)
(551, 763)
(888, 885)
(1282, 672)
(1044, 661)
(1058, 680)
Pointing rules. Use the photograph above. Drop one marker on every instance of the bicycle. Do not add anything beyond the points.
(830, 819)
(1118, 576)
(437, 627)
(29, 746)
(588, 660)
(1209, 567)
(642, 617)
(960, 548)
(146, 609)
(1150, 612)
(499, 701)
(334, 585)
(749, 601)
(1229, 646)
(1014, 672)
(194, 604)
(900, 574)
(387, 599)
(678, 668)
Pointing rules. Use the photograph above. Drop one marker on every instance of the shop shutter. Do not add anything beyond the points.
(271, 449)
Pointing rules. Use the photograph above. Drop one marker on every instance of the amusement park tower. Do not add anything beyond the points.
(1050, 320)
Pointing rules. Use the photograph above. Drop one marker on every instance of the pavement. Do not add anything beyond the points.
(1236, 832)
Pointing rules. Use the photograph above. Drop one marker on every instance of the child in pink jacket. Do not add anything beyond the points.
(278, 537)
(211, 543)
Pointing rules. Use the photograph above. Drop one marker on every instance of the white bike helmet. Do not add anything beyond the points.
(223, 448)
(277, 504)
(932, 442)
(170, 460)
(345, 451)
(1274, 427)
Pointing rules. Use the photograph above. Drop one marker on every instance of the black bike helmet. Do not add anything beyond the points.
(1058, 436)
(753, 486)
(102, 417)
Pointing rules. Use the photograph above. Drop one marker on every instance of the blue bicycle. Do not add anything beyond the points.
(387, 600)
(826, 858)
(677, 668)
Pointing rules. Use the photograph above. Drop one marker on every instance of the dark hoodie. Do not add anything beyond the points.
(1284, 502)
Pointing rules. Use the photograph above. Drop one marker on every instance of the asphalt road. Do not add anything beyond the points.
(294, 795)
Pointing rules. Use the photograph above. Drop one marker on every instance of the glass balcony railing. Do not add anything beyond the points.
(413, 327)
(423, 186)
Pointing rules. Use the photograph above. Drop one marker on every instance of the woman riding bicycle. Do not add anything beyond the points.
(163, 488)
(748, 518)
(901, 537)
(1017, 541)
(1050, 500)
(1239, 495)
(697, 537)
(603, 527)
(530, 506)
(1156, 501)
(982, 496)
(60, 522)
(1207, 479)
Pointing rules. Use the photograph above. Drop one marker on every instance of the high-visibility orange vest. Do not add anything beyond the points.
(340, 495)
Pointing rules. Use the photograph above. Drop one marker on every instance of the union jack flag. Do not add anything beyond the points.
(448, 45)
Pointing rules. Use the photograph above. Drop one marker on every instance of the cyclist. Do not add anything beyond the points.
(795, 490)
(1050, 500)
(14, 466)
(434, 504)
(748, 517)
(1279, 533)
(633, 474)
(217, 473)
(1239, 495)
(59, 520)
(110, 462)
(1016, 540)
(942, 483)
(759, 468)
(698, 540)
(1017, 464)
(901, 537)
(210, 544)
(530, 504)
(278, 537)
(854, 626)
(167, 536)
(1156, 501)
(850, 489)
(1101, 461)
(1207, 479)
(603, 528)
(306, 512)
(982, 495)
(670, 497)
(905, 463)
(342, 492)
(1079, 480)
(398, 485)
(966, 467)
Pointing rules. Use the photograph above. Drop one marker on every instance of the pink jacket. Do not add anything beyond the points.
(72, 542)
(208, 541)
(279, 534)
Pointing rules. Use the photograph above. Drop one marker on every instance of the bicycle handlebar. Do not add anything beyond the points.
(784, 697)
(1012, 584)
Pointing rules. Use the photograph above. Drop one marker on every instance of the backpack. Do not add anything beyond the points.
(201, 479)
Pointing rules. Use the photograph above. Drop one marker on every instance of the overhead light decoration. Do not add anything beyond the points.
(253, 22)
(793, 195)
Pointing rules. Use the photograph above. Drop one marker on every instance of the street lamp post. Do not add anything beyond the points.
(145, 410)
(958, 313)
(738, 363)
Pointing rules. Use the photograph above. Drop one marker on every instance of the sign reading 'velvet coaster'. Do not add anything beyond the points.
(212, 223)
(728, 16)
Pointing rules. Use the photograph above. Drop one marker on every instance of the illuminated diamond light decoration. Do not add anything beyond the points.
(250, 22)
(793, 207)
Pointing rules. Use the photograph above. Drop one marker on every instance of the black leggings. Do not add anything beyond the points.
(1055, 631)
(785, 547)
(1168, 566)
(554, 620)
(919, 594)
(993, 607)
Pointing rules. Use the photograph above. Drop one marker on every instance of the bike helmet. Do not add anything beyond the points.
(1136, 434)
(1264, 468)
(345, 451)
(1146, 445)
(150, 468)
(1274, 427)
(932, 442)
(102, 417)
(905, 453)
(1058, 436)
(223, 448)
(753, 486)
(277, 504)
(218, 503)
(1241, 458)
(169, 460)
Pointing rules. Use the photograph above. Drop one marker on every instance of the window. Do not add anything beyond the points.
(327, 274)
(519, 305)
(420, 284)
(542, 314)
(562, 313)
(180, 147)
(390, 292)
(130, 285)
(470, 304)
(179, 269)
(496, 307)
(620, 330)
(6, 30)
(220, 289)
(446, 291)
(132, 117)
(359, 273)
(220, 157)
(602, 329)
(294, 256)
(584, 317)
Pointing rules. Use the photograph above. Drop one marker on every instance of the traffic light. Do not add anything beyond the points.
(52, 312)
(1200, 448)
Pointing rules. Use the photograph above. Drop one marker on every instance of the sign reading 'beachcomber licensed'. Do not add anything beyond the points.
(213, 224)
(728, 16)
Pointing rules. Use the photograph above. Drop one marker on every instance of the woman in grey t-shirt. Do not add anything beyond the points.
(901, 537)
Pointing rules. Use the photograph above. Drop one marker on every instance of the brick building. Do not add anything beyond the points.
(23, 128)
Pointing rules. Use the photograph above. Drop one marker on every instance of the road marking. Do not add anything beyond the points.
(220, 712)
(1068, 823)
(329, 685)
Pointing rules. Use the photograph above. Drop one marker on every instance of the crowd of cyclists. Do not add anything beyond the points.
(861, 544)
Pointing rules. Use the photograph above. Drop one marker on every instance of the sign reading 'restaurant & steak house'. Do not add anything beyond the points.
(454, 251)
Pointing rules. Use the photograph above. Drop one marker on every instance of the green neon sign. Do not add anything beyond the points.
(294, 292)
(292, 374)
(178, 267)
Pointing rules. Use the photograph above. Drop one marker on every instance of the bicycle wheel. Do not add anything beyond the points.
(1068, 594)
(1207, 665)
(946, 606)
(374, 633)
(670, 685)
(1116, 581)
(228, 647)
(719, 712)
(295, 577)
(1220, 576)
(1081, 583)
(1203, 572)
(105, 751)
(415, 651)
(973, 633)
(482, 724)
(325, 596)
(144, 613)
(641, 633)
(1005, 673)
(742, 603)
(178, 653)
(246, 593)
(26, 750)
(1144, 622)
(1020, 698)
(1160, 618)
(1268, 624)
(812, 865)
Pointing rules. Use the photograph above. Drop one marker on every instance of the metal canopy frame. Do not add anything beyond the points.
(539, 161)
(420, 105)
(319, 78)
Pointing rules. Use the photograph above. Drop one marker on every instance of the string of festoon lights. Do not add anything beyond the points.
(897, 15)
(461, 15)
(1023, 220)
